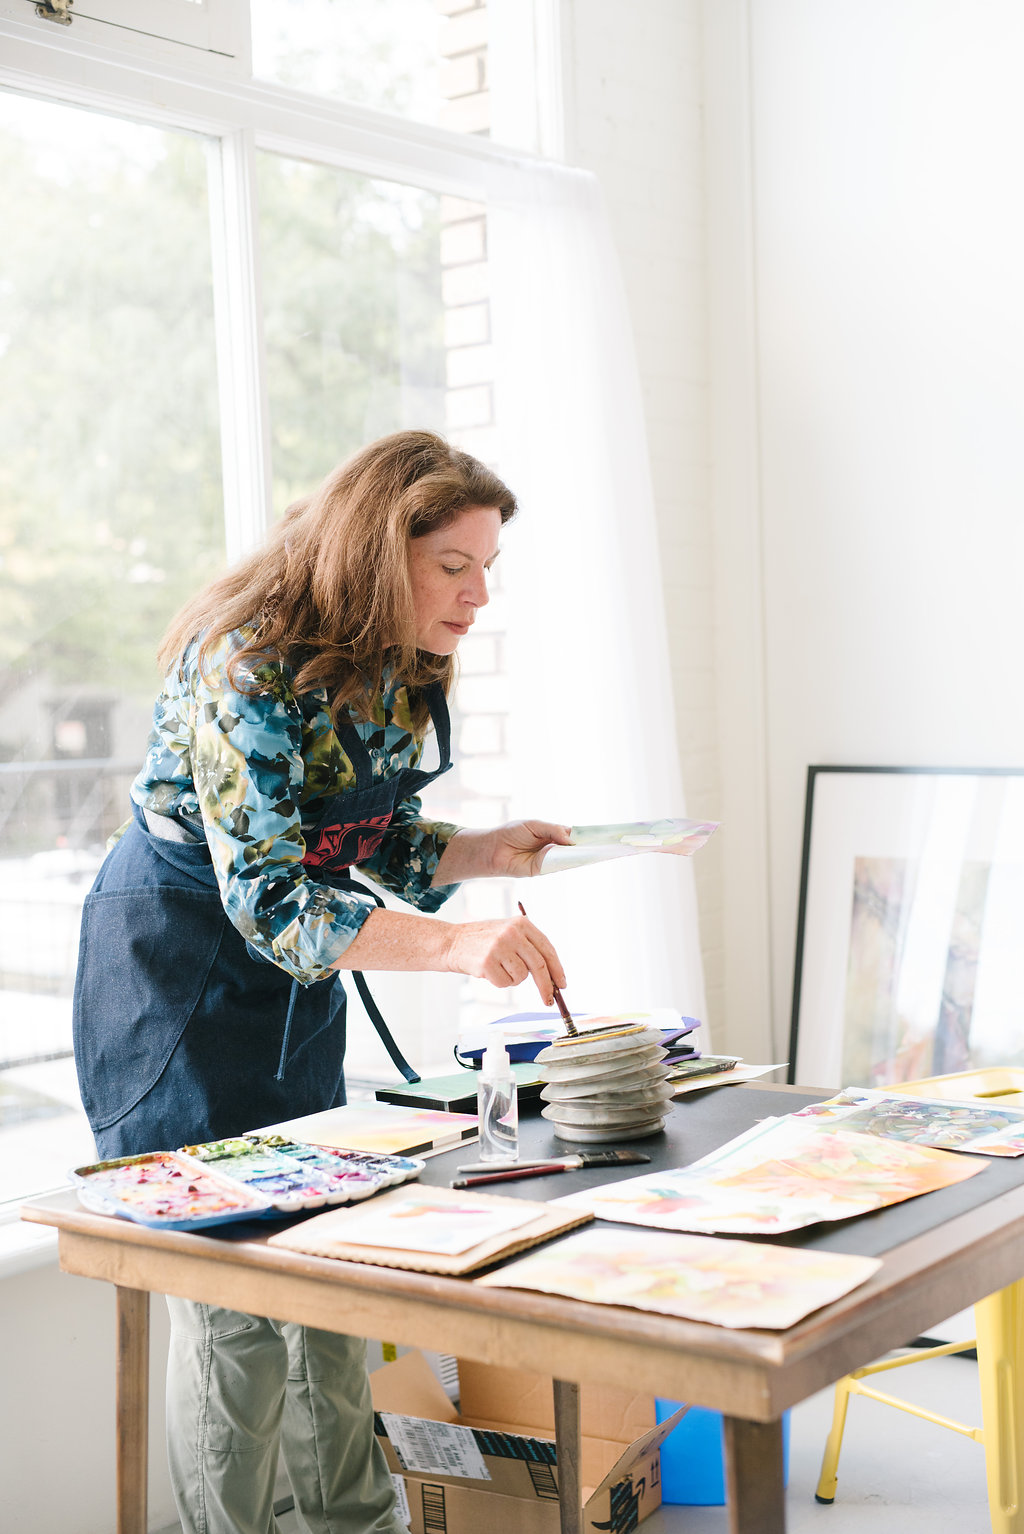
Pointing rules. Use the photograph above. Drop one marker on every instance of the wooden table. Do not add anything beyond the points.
(752, 1377)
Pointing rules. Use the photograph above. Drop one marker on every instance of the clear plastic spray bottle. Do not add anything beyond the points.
(497, 1107)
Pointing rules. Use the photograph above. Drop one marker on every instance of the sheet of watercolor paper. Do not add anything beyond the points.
(978, 1127)
(702, 1278)
(683, 1082)
(420, 1222)
(384, 1127)
(781, 1175)
(596, 844)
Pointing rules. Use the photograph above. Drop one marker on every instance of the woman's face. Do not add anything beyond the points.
(448, 570)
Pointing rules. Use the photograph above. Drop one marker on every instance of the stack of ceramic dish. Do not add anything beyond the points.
(606, 1083)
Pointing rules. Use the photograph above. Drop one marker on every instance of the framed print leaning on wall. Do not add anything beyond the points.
(910, 932)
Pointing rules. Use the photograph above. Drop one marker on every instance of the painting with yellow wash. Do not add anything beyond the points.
(780, 1175)
(386, 1128)
(728, 1283)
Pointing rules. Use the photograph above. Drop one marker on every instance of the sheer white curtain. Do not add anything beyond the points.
(593, 730)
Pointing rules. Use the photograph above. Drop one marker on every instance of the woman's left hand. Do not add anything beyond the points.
(520, 846)
(514, 851)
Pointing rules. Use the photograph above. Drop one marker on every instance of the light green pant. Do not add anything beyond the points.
(238, 1387)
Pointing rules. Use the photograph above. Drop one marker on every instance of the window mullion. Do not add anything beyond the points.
(241, 353)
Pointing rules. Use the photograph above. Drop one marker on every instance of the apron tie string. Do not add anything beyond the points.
(292, 998)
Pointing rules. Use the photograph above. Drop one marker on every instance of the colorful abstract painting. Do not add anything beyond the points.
(728, 1283)
(978, 1127)
(781, 1175)
(891, 1032)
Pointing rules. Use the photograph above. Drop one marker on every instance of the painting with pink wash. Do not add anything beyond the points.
(781, 1175)
(384, 1127)
(702, 1278)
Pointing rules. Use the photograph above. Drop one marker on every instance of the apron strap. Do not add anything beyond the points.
(384, 1033)
(386, 1036)
(292, 995)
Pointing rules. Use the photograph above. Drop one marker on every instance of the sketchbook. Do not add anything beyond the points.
(430, 1230)
(382, 1127)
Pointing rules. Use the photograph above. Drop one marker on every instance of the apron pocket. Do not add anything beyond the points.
(144, 959)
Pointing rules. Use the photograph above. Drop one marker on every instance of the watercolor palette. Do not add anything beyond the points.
(166, 1190)
(295, 1176)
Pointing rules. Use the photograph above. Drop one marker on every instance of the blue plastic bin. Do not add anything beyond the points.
(693, 1459)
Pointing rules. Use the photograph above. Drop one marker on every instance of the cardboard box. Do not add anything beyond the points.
(492, 1464)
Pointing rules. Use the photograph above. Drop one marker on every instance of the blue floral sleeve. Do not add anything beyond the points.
(252, 766)
(248, 772)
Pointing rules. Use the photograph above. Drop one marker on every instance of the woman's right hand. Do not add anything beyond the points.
(505, 952)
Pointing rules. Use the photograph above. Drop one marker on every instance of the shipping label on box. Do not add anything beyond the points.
(460, 1477)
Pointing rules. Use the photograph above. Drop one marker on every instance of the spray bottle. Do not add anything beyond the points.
(497, 1107)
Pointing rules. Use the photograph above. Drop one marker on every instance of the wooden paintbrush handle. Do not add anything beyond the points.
(566, 1015)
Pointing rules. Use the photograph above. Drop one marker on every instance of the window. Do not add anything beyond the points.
(129, 460)
(110, 512)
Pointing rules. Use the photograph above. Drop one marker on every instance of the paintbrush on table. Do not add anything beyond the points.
(566, 1015)
(496, 1173)
(562, 1163)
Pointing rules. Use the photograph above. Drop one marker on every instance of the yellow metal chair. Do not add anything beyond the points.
(999, 1323)
(1000, 1342)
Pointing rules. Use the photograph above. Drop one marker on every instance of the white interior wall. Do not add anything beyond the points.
(57, 1447)
(888, 247)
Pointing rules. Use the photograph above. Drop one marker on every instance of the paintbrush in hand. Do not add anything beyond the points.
(566, 1015)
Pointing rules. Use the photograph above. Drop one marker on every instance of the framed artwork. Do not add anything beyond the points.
(910, 932)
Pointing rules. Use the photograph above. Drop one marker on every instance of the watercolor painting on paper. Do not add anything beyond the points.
(781, 1175)
(422, 1222)
(978, 1127)
(701, 1278)
(596, 844)
(386, 1128)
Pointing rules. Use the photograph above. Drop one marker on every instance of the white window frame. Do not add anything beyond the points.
(239, 116)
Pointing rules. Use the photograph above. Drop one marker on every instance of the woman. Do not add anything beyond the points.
(286, 748)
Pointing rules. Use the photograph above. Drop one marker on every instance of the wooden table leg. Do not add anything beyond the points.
(754, 1483)
(567, 1448)
(132, 1409)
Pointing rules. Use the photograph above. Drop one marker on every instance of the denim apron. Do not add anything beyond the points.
(184, 1033)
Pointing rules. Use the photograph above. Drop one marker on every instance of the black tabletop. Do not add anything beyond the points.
(702, 1121)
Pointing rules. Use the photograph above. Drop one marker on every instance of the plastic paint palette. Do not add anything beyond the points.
(295, 1176)
(167, 1190)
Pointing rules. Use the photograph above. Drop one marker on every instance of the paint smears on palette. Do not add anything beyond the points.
(251, 1177)
(295, 1176)
(166, 1190)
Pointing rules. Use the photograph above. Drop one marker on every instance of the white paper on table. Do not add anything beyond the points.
(597, 844)
(721, 1078)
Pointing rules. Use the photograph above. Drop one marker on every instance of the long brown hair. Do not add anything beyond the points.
(328, 593)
